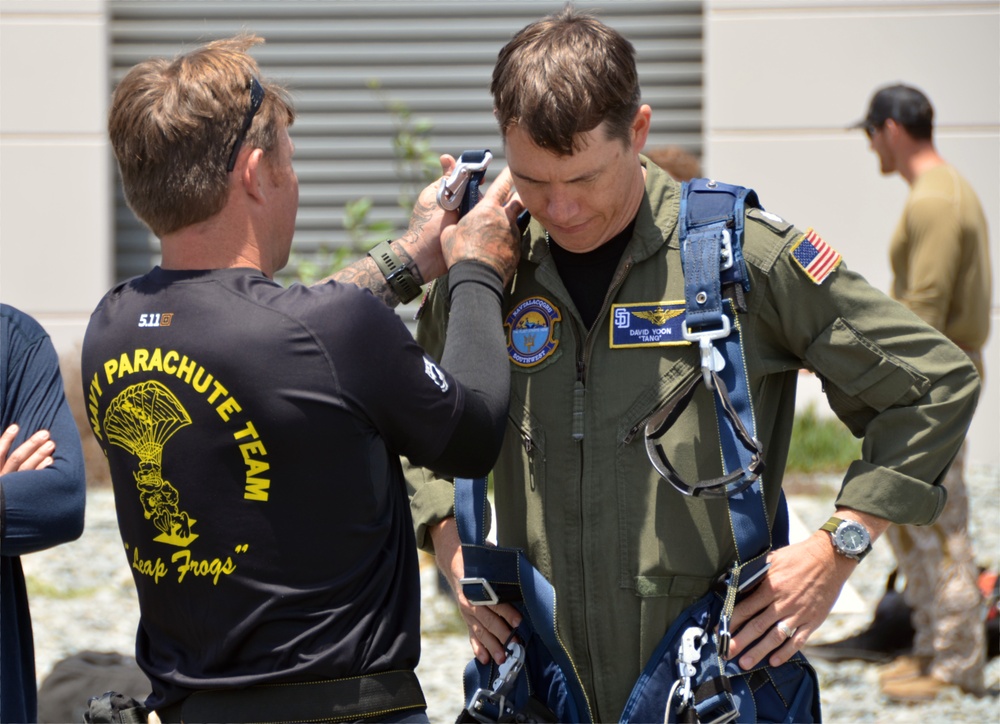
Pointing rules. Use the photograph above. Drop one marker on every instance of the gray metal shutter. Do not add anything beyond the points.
(433, 58)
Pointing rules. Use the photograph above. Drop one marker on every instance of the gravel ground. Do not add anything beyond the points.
(82, 598)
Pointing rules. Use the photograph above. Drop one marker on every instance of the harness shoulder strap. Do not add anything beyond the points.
(711, 232)
(712, 216)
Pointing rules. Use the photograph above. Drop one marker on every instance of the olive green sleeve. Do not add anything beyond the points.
(891, 378)
(432, 498)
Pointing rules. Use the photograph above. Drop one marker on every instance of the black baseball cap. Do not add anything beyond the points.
(904, 104)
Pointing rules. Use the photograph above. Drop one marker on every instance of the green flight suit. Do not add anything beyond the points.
(574, 488)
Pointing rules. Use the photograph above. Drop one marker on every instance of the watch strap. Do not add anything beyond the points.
(397, 274)
(831, 526)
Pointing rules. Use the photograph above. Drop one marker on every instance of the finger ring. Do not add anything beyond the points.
(783, 627)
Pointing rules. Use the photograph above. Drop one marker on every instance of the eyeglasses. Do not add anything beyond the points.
(256, 98)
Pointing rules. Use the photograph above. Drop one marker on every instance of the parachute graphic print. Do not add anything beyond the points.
(141, 419)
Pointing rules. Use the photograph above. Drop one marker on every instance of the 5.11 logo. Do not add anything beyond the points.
(155, 320)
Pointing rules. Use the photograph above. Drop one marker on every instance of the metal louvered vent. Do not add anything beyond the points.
(433, 59)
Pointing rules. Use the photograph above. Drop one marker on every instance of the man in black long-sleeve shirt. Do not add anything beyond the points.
(253, 431)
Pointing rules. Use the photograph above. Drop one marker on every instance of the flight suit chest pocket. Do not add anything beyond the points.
(667, 544)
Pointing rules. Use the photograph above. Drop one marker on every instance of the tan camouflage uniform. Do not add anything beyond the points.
(940, 571)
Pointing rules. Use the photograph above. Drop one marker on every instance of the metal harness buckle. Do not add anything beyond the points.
(690, 654)
(491, 596)
(453, 188)
(711, 360)
(491, 705)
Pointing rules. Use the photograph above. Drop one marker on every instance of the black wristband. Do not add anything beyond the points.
(400, 278)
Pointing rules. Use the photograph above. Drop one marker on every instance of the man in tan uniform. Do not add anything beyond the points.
(941, 271)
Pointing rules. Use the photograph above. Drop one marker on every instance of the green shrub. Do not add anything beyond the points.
(820, 444)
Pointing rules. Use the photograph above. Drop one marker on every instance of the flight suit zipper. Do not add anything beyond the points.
(579, 396)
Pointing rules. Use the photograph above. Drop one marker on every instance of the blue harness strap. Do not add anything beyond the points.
(494, 692)
(711, 228)
(493, 575)
(693, 653)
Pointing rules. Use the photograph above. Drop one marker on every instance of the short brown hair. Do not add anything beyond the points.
(174, 123)
(565, 75)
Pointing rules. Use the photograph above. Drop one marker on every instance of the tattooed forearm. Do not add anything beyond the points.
(365, 273)
(422, 214)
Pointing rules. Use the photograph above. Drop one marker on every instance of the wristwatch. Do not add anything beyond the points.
(395, 272)
(850, 538)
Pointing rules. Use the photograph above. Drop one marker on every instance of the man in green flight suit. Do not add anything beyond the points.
(574, 488)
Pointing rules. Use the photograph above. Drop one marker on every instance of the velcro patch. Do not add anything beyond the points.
(815, 257)
(650, 324)
(772, 220)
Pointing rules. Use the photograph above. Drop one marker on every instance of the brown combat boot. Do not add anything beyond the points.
(921, 689)
(905, 667)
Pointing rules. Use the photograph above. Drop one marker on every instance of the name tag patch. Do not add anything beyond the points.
(531, 327)
(647, 324)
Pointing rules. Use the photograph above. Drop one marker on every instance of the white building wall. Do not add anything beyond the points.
(784, 78)
(55, 184)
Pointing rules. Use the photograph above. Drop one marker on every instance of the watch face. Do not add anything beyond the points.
(852, 538)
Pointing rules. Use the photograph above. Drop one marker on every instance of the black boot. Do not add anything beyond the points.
(889, 635)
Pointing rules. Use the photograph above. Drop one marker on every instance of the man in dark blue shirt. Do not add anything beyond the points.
(42, 491)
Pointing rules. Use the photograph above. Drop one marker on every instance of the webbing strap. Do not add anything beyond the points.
(494, 574)
(711, 228)
(471, 197)
(746, 508)
(511, 577)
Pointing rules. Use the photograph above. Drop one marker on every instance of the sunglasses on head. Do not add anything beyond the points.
(256, 99)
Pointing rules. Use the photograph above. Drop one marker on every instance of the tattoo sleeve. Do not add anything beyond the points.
(366, 274)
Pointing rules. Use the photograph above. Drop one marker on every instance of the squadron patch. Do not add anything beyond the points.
(531, 327)
(815, 257)
(647, 324)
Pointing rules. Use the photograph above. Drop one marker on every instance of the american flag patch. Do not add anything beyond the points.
(815, 256)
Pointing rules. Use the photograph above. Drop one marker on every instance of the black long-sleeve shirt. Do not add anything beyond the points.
(254, 435)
